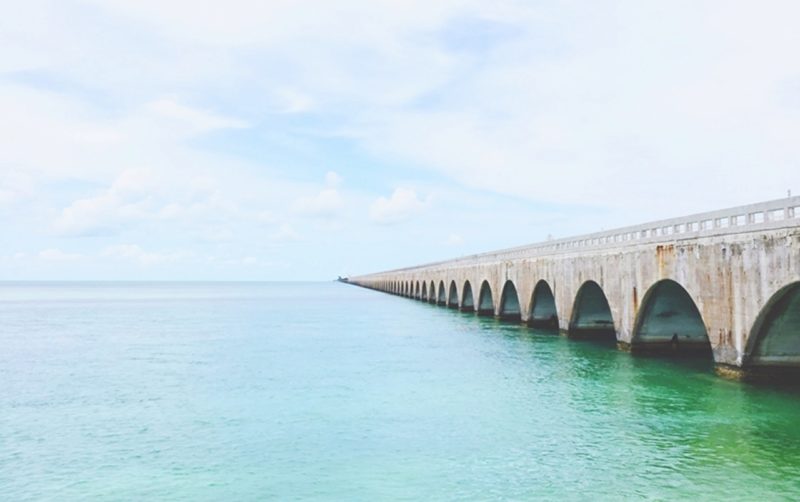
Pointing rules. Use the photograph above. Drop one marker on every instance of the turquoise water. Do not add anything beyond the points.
(332, 392)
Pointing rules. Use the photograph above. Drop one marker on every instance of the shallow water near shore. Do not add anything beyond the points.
(252, 391)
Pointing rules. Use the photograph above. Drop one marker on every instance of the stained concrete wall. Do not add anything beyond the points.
(730, 276)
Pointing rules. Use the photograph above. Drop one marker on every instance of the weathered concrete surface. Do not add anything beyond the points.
(731, 263)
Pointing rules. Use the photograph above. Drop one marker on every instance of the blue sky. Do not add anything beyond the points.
(282, 140)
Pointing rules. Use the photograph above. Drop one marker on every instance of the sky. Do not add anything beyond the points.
(302, 140)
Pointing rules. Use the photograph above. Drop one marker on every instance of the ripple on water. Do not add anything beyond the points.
(296, 391)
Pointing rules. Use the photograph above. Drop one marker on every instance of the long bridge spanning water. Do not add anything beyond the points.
(725, 282)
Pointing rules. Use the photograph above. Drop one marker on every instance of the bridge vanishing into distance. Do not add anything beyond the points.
(724, 283)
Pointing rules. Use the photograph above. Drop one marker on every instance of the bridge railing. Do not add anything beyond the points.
(770, 215)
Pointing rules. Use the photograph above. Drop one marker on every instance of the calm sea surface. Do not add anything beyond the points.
(331, 392)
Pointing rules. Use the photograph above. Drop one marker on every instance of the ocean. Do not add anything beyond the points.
(326, 391)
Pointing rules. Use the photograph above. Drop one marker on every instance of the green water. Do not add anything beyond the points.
(331, 392)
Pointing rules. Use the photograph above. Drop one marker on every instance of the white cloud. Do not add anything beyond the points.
(325, 204)
(126, 199)
(402, 205)
(266, 217)
(630, 106)
(15, 185)
(46, 136)
(285, 233)
(92, 135)
(454, 240)
(332, 179)
(293, 101)
(180, 197)
(217, 233)
(135, 254)
(618, 118)
(576, 100)
(193, 119)
(57, 255)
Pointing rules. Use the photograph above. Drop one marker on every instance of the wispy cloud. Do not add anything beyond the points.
(209, 135)
(193, 119)
(285, 233)
(135, 254)
(57, 255)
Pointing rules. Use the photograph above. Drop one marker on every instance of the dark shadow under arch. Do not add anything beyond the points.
(432, 293)
(485, 300)
(442, 298)
(452, 296)
(424, 296)
(467, 300)
(774, 342)
(591, 315)
(543, 312)
(669, 322)
(509, 303)
(417, 292)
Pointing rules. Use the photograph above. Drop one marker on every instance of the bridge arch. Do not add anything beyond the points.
(543, 313)
(424, 296)
(417, 292)
(485, 300)
(509, 303)
(432, 293)
(774, 342)
(591, 315)
(669, 322)
(467, 299)
(442, 298)
(452, 296)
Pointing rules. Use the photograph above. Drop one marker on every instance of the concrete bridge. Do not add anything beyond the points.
(725, 283)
